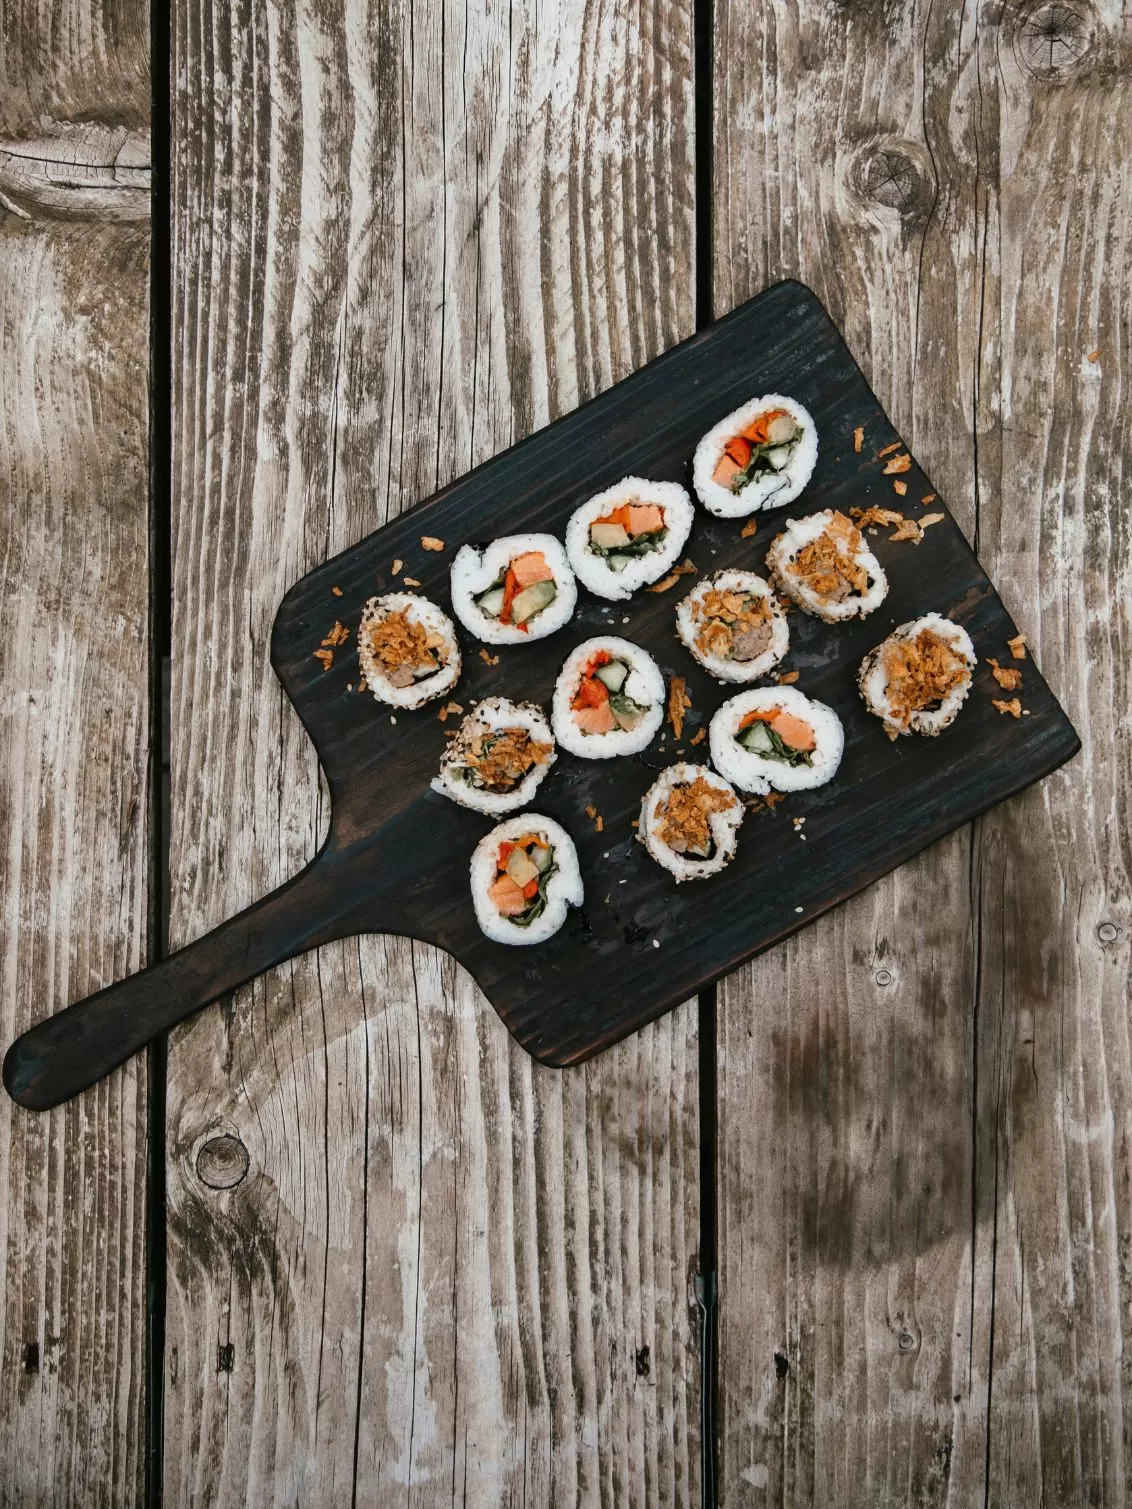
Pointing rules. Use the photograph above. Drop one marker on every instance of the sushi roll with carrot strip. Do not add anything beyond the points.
(407, 649)
(776, 737)
(518, 588)
(824, 565)
(918, 678)
(524, 878)
(498, 757)
(628, 536)
(690, 821)
(608, 699)
(733, 625)
(761, 456)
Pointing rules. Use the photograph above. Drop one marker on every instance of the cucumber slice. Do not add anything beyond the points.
(783, 430)
(532, 600)
(614, 675)
(757, 739)
(491, 602)
(618, 562)
(625, 711)
(778, 456)
(608, 536)
(542, 857)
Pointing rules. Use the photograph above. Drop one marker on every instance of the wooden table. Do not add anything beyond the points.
(368, 1252)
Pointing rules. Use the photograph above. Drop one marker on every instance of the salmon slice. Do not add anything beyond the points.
(794, 732)
(739, 448)
(507, 897)
(645, 517)
(725, 470)
(591, 693)
(595, 720)
(758, 431)
(531, 568)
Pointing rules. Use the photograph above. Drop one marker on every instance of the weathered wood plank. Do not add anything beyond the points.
(404, 237)
(73, 764)
(924, 1236)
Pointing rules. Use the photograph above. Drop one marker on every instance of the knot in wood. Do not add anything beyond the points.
(1108, 932)
(906, 1341)
(1052, 38)
(890, 177)
(222, 1162)
(884, 977)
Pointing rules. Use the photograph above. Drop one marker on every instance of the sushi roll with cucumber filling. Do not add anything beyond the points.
(407, 649)
(776, 737)
(608, 699)
(628, 536)
(918, 678)
(733, 626)
(760, 456)
(518, 588)
(824, 565)
(690, 821)
(498, 757)
(524, 878)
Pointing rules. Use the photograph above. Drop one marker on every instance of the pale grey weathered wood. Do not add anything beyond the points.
(928, 1223)
(404, 238)
(73, 759)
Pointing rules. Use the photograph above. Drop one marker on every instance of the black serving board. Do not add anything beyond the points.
(396, 858)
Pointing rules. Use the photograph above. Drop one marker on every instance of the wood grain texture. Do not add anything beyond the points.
(73, 771)
(924, 1238)
(403, 238)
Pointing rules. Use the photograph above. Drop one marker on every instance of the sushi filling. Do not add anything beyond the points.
(406, 651)
(522, 591)
(501, 759)
(827, 567)
(683, 823)
(626, 534)
(735, 625)
(920, 674)
(599, 704)
(764, 447)
(774, 734)
(522, 873)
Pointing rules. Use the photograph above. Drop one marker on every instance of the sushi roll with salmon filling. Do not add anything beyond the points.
(919, 677)
(690, 821)
(628, 536)
(497, 759)
(733, 626)
(407, 649)
(761, 456)
(608, 699)
(824, 565)
(524, 877)
(517, 589)
(776, 736)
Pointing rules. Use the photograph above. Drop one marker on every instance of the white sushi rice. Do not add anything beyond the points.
(724, 825)
(690, 622)
(564, 889)
(753, 772)
(769, 489)
(418, 610)
(801, 532)
(594, 571)
(873, 677)
(493, 713)
(476, 571)
(644, 685)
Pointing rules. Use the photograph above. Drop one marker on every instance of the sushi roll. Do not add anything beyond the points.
(608, 699)
(524, 876)
(824, 564)
(516, 589)
(497, 759)
(776, 736)
(628, 536)
(690, 821)
(733, 626)
(919, 677)
(407, 649)
(761, 456)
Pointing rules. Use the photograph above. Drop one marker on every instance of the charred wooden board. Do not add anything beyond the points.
(396, 855)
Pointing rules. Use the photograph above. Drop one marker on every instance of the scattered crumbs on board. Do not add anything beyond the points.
(928, 498)
(325, 658)
(1017, 646)
(1007, 677)
(349, 686)
(931, 518)
(688, 568)
(1013, 707)
(396, 567)
(699, 736)
(798, 821)
(797, 908)
(392, 719)
(859, 439)
(898, 464)
(678, 704)
(634, 823)
(900, 488)
(430, 542)
(764, 803)
(749, 528)
(488, 659)
(337, 635)
(596, 818)
(788, 678)
(656, 943)
(337, 591)
(449, 707)
(888, 450)
(410, 581)
(867, 517)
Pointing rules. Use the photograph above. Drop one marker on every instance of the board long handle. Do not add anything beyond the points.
(75, 1048)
